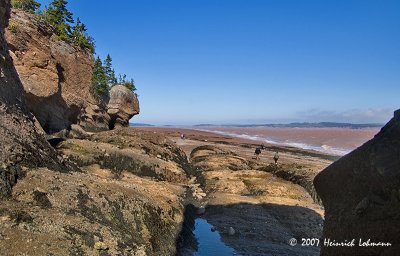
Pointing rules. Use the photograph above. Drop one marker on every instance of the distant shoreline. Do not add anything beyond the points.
(289, 125)
(331, 141)
(299, 125)
(211, 137)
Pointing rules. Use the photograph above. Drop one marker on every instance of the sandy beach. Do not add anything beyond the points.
(335, 141)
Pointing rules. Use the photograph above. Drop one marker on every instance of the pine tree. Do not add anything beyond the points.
(99, 79)
(130, 84)
(58, 15)
(80, 38)
(27, 5)
(110, 73)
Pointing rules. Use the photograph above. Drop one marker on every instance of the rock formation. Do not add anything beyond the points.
(21, 143)
(122, 106)
(56, 76)
(85, 212)
(361, 195)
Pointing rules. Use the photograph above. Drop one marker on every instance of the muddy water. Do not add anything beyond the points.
(335, 141)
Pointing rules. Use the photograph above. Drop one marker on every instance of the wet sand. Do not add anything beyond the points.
(337, 141)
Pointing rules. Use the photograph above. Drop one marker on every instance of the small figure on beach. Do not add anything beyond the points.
(183, 136)
(276, 157)
(257, 153)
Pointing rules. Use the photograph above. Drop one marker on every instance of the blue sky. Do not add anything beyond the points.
(258, 61)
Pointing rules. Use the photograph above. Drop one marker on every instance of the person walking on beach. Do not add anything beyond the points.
(276, 157)
(257, 153)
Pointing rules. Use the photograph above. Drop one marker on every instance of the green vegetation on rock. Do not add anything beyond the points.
(27, 5)
(80, 37)
(60, 18)
(75, 32)
(13, 26)
(130, 84)
(104, 77)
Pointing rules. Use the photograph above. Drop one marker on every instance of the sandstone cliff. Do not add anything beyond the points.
(92, 211)
(361, 195)
(56, 76)
(21, 143)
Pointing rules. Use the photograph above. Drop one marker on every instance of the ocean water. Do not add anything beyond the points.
(333, 141)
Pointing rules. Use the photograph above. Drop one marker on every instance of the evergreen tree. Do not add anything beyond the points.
(27, 5)
(58, 15)
(80, 37)
(111, 78)
(99, 79)
(130, 84)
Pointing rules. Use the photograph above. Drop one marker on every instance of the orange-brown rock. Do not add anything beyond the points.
(56, 76)
(21, 143)
(123, 105)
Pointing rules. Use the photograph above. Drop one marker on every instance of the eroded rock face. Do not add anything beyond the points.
(85, 212)
(141, 153)
(123, 105)
(56, 76)
(21, 144)
(71, 214)
(361, 195)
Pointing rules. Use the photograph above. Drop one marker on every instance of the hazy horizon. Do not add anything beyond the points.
(133, 122)
(255, 61)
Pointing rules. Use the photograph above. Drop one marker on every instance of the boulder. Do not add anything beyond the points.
(56, 76)
(361, 196)
(21, 143)
(123, 105)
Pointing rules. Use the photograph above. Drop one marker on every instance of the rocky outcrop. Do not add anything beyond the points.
(90, 213)
(127, 199)
(255, 212)
(361, 195)
(210, 157)
(297, 174)
(137, 152)
(56, 76)
(21, 143)
(123, 105)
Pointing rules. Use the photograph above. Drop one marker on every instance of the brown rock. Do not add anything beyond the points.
(359, 195)
(123, 105)
(56, 77)
(20, 142)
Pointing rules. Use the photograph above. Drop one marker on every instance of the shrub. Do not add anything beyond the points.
(27, 5)
(13, 26)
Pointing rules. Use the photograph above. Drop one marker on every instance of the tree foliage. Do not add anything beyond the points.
(80, 37)
(99, 79)
(27, 5)
(57, 15)
(130, 84)
(110, 73)
(60, 18)
(112, 79)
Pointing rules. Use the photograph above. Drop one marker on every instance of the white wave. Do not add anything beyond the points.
(323, 148)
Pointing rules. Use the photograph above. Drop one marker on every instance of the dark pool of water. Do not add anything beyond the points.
(209, 243)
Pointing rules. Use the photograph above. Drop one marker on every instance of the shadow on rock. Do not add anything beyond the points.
(258, 229)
